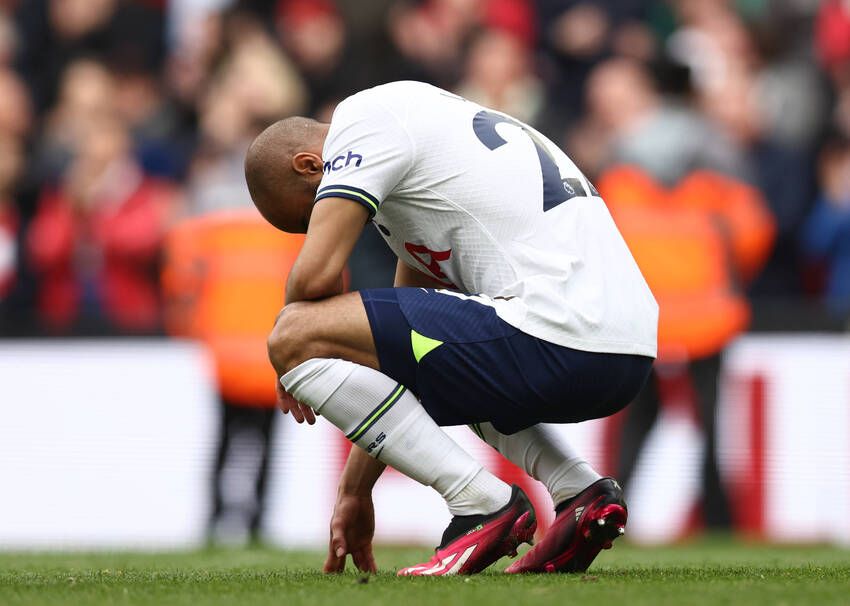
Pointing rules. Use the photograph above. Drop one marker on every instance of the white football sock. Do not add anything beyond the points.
(545, 456)
(382, 417)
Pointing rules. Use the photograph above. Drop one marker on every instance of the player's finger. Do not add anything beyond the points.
(296, 413)
(370, 558)
(363, 560)
(308, 413)
(336, 551)
(333, 563)
(336, 554)
(284, 400)
(359, 562)
(288, 404)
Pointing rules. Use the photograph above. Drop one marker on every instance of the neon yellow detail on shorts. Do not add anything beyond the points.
(422, 345)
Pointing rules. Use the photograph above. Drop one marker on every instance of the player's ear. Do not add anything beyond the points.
(306, 163)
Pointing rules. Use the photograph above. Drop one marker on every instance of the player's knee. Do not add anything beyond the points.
(293, 339)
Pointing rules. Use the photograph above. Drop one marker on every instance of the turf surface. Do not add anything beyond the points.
(707, 572)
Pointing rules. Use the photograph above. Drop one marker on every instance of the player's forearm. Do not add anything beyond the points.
(313, 288)
(335, 225)
(360, 473)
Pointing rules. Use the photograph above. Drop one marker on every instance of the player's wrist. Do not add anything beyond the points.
(354, 489)
(360, 474)
(357, 485)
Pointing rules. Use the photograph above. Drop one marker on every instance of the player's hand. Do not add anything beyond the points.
(288, 404)
(352, 529)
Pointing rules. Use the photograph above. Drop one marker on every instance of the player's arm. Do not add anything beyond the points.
(353, 520)
(335, 224)
(405, 275)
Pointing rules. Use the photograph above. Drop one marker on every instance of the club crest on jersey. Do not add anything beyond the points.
(342, 161)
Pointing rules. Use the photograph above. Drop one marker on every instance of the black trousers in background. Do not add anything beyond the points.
(642, 414)
(240, 474)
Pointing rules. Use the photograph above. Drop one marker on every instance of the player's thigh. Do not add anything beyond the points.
(414, 327)
(336, 327)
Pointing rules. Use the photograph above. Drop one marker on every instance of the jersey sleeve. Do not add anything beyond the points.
(367, 153)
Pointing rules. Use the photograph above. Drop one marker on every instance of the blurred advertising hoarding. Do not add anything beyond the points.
(110, 444)
(784, 436)
(104, 444)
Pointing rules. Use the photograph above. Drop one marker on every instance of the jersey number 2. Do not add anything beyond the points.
(555, 188)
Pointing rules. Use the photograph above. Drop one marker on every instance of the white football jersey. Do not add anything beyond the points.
(487, 205)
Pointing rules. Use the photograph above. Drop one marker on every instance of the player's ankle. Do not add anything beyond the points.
(571, 480)
(485, 494)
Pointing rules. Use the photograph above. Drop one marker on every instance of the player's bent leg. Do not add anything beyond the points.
(379, 415)
(336, 327)
(544, 455)
(590, 510)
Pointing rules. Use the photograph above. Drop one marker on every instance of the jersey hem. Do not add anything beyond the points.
(518, 317)
(590, 345)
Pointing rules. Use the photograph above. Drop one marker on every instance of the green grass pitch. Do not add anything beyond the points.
(715, 571)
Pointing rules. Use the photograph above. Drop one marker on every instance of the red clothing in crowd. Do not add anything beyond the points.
(107, 255)
(832, 33)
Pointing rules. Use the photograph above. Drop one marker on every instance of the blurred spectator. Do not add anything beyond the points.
(514, 17)
(56, 32)
(192, 59)
(498, 74)
(15, 111)
(628, 121)
(826, 236)
(790, 93)
(314, 35)
(768, 120)
(8, 39)
(833, 45)
(188, 20)
(86, 94)
(432, 36)
(254, 85)
(832, 39)
(574, 36)
(371, 54)
(94, 241)
(162, 145)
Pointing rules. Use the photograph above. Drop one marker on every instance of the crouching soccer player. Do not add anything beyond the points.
(516, 304)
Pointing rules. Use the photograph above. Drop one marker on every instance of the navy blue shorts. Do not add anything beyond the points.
(467, 365)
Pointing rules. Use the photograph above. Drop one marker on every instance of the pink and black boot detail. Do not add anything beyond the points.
(471, 543)
(583, 526)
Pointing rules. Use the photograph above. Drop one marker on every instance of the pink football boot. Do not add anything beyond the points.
(584, 526)
(471, 543)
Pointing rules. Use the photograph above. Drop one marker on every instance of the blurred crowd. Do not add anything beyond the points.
(120, 117)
